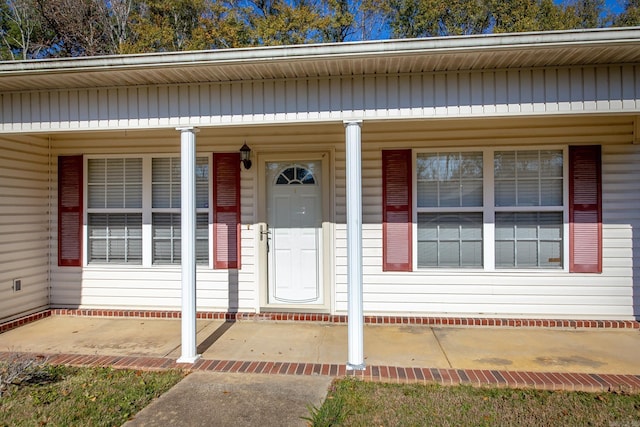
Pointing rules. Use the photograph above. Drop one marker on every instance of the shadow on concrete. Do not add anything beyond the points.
(215, 336)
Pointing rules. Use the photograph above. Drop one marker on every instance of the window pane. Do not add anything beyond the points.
(97, 250)
(202, 182)
(450, 240)
(550, 254)
(505, 226)
(428, 194)
(163, 177)
(449, 194)
(166, 238)
(528, 240)
(528, 178)
(449, 179)
(505, 254)
(505, 193)
(166, 227)
(527, 254)
(527, 164)
(528, 192)
(202, 238)
(504, 163)
(551, 163)
(115, 238)
(161, 194)
(471, 254)
(133, 183)
(551, 226)
(175, 195)
(166, 187)
(115, 183)
(449, 253)
(471, 193)
(551, 192)
(427, 254)
(116, 251)
(115, 171)
(526, 225)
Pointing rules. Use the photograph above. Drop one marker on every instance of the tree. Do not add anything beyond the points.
(586, 13)
(339, 21)
(78, 27)
(630, 16)
(428, 18)
(527, 15)
(163, 25)
(119, 12)
(220, 27)
(21, 29)
(277, 22)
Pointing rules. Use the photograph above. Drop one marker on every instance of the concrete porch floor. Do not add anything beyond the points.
(600, 351)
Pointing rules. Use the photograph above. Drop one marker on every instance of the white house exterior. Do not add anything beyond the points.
(499, 178)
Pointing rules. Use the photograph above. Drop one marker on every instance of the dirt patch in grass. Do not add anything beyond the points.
(68, 396)
(377, 404)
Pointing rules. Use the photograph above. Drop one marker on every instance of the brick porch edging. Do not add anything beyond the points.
(396, 374)
(330, 318)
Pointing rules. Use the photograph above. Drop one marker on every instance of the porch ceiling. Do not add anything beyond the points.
(500, 51)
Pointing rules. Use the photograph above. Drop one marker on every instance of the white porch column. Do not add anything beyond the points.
(188, 243)
(354, 246)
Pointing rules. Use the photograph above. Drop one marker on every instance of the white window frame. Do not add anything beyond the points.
(147, 212)
(489, 210)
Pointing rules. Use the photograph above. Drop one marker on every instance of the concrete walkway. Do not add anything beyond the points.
(301, 358)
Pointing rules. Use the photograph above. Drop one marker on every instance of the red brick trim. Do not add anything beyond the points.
(12, 324)
(330, 318)
(342, 319)
(396, 374)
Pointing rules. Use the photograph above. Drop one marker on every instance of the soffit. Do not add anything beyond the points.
(389, 57)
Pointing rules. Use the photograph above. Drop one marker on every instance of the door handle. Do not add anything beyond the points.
(264, 232)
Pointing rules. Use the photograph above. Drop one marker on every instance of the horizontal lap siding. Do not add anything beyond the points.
(139, 288)
(538, 294)
(158, 287)
(24, 223)
(432, 95)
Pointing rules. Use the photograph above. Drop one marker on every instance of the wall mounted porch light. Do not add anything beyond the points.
(245, 156)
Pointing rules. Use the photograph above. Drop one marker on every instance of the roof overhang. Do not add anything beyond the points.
(409, 56)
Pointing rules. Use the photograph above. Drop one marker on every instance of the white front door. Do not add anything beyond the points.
(294, 215)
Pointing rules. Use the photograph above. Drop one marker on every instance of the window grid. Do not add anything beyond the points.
(551, 200)
(115, 238)
(166, 233)
(114, 213)
(116, 208)
(449, 185)
(547, 238)
(464, 244)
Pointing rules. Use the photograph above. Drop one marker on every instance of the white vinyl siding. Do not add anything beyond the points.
(151, 287)
(24, 224)
(548, 293)
(461, 94)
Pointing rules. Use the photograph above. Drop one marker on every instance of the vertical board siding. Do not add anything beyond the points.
(24, 224)
(452, 94)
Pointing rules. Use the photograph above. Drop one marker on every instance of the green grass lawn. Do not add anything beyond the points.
(67, 396)
(352, 402)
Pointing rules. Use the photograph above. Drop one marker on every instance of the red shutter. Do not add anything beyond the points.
(70, 211)
(226, 210)
(585, 209)
(396, 210)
